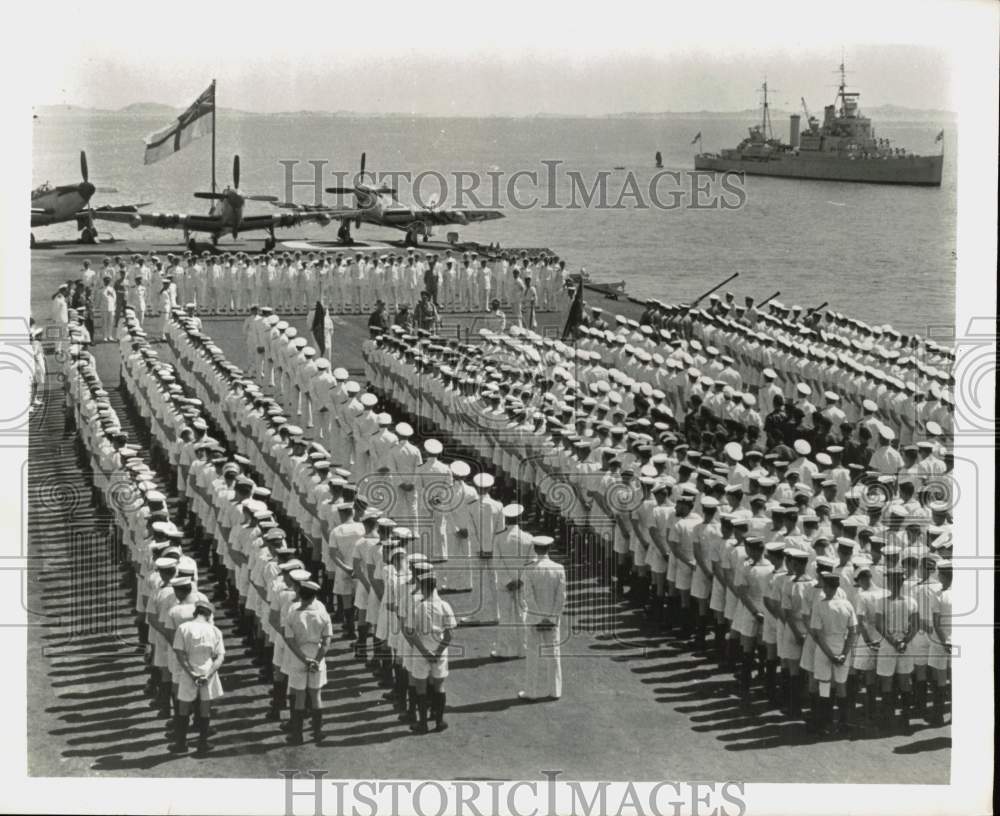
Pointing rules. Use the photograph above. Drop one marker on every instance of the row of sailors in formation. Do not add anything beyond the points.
(794, 321)
(910, 524)
(673, 544)
(907, 389)
(582, 379)
(912, 534)
(344, 281)
(304, 503)
(186, 648)
(906, 506)
(277, 595)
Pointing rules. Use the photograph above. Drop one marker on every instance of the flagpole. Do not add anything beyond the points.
(213, 136)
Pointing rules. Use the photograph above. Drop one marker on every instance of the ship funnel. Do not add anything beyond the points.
(793, 130)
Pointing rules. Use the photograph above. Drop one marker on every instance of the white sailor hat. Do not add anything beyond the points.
(803, 389)
(404, 430)
(181, 581)
(868, 405)
(340, 373)
(829, 396)
(433, 447)
(542, 541)
(384, 419)
(886, 433)
(483, 481)
(802, 448)
(933, 428)
(512, 511)
(368, 399)
(352, 387)
(164, 562)
(734, 451)
(770, 374)
(460, 468)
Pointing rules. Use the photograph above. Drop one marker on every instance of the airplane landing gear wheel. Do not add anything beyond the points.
(269, 244)
(88, 235)
(192, 245)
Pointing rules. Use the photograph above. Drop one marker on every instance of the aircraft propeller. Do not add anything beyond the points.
(234, 191)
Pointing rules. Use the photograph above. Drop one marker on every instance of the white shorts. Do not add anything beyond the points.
(718, 598)
(655, 560)
(731, 605)
(300, 678)
(891, 662)
(919, 649)
(808, 658)
(343, 584)
(702, 585)
(361, 597)
(825, 671)
(621, 544)
(421, 668)
(683, 574)
(672, 569)
(638, 553)
(745, 623)
(188, 692)
(937, 657)
(788, 647)
(865, 657)
(769, 632)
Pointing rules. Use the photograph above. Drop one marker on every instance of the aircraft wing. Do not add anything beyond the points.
(474, 216)
(293, 219)
(456, 216)
(180, 221)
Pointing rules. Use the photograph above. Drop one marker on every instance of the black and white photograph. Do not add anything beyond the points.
(500, 409)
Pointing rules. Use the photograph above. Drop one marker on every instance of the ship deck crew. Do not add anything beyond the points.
(434, 481)
(833, 626)
(750, 582)
(200, 651)
(308, 632)
(429, 631)
(897, 621)
(544, 598)
(512, 548)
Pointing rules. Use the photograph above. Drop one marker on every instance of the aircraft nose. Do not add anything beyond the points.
(86, 190)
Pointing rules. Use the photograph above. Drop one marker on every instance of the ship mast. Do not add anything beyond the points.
(765, 125)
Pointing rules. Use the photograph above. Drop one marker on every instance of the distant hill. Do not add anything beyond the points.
(149, 107)
(878, 113)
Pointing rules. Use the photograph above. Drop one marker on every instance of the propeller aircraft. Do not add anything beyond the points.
(226, 216)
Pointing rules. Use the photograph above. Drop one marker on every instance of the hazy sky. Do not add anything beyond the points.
(508, 57)
(534, 82)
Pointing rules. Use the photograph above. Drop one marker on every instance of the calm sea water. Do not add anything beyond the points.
(877, 252)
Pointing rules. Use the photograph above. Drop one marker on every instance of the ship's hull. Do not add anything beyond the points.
(918, 170)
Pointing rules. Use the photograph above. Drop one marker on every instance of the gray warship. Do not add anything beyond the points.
(841, 148)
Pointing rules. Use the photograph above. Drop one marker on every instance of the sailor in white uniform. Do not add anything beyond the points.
(544, 598)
